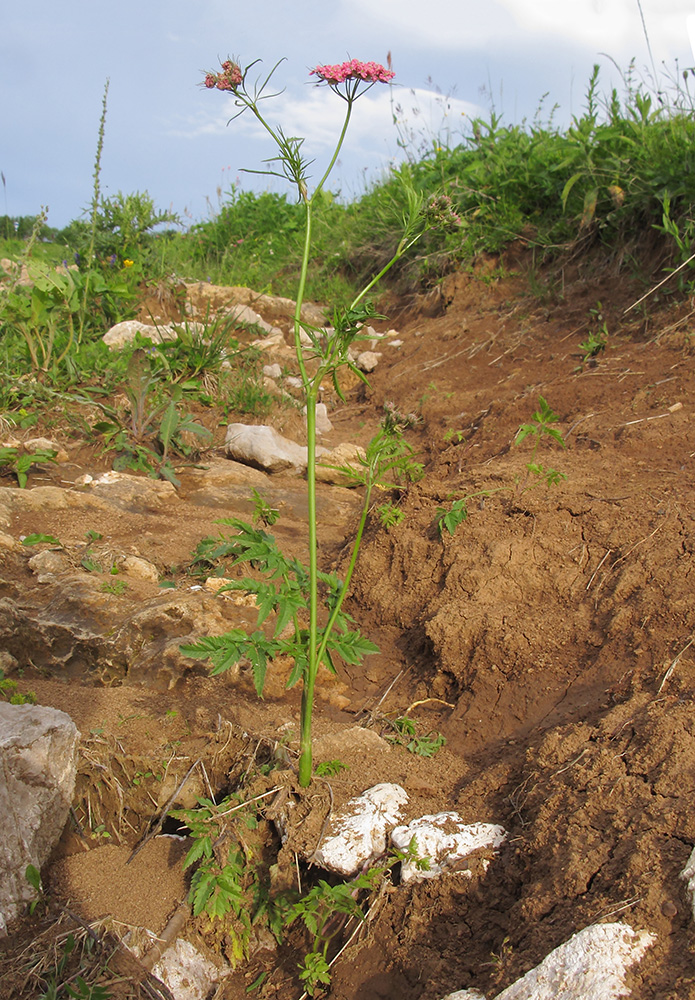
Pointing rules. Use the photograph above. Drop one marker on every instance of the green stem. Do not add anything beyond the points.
(311, 388)
(402, 248)
(348, 575)
(305, 759)
(336, 153)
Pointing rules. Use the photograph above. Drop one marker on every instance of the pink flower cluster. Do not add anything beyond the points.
(229, 79)
(370, 72)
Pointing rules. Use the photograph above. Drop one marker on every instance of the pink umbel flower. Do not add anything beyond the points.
(369, 72)
(229, 79)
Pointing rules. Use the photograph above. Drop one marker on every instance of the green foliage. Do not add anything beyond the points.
(406, 735)
(540, 426)
(38, 538)
(230, 881)
(123, 229)
(453, 517)
(390, 515)
(198, 349)
(597, 339)
(9, 692)
(20, 227)
(285, 594)
(329, 768)
(263, 513)
(21, 462)
(152, 432)
(116, 587)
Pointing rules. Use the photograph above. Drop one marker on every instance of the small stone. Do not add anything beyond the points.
(47, 564)
(141, 569)
(367, 361)
(343, 456)
(272, 371)
(668, 908)
(323, 424)
(45, 444)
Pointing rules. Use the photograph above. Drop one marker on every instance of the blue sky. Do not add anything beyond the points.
(167, 135)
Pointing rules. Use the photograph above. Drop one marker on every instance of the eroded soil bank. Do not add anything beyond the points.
(548, 639)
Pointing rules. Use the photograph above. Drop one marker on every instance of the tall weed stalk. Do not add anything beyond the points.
(94, 213)
(320, 354)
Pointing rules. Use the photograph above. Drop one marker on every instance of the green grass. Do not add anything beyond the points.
(620, 179)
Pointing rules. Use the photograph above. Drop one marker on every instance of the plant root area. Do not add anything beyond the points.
(549, 639)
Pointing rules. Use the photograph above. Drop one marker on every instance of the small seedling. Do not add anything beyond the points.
(390, 515)
(263, 513)
(540, 427)
(594, 343)
(33, 877)
(117, 587)
(329, 768)
(21, 464)
(38, 539)
(406, 736)
(91, 564)
(9, 692)
(453, 517)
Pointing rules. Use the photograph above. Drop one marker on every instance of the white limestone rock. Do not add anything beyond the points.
(38, 764)
(124, 333)
(358, 831)
(688, 874)
(592, 965)
(444, 839)
(187, 973)
(263, 447)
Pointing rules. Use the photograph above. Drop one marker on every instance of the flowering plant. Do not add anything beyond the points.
(326, 352)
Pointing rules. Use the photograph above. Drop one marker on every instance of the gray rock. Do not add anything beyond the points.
(141, 569)
(46, 444)
(38, 747)
(123, 488)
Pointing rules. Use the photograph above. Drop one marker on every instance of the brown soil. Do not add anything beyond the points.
(549, 639)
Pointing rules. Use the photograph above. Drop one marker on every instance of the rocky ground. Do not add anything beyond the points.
(549, 639)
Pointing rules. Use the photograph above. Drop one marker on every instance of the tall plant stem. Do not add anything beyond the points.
(96, 194)
(311, 388)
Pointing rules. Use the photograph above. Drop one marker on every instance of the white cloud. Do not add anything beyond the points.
(612, 26)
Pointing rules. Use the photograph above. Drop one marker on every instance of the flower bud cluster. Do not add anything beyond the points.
(229, 79)
(370, 72)
(439, 211)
